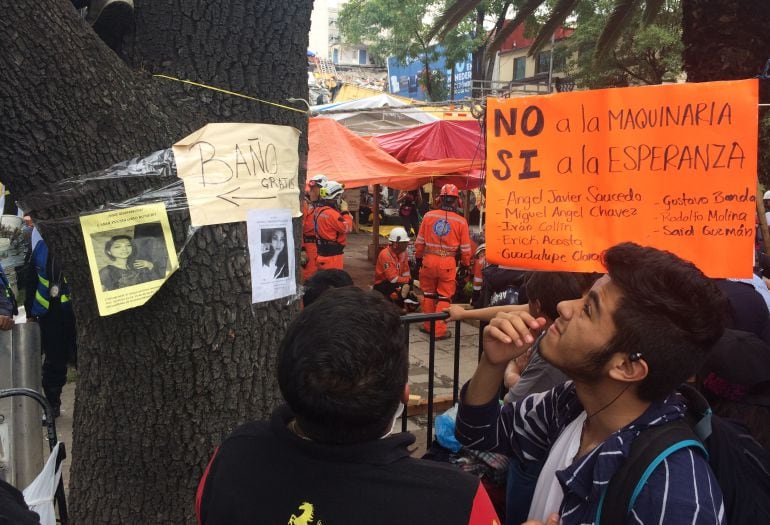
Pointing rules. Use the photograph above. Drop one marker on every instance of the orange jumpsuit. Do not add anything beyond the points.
(391, 271)
(309, 242)
(392, 267)
(331, 229)
(443, 234)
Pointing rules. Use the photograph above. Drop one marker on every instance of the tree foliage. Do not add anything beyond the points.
(400, 28)
(645, 54)
(387, 27)
(716, 33)
(721, 39)
(763, 157)
(391, 28)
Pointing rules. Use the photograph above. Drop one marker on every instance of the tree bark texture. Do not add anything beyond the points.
(725, 39)
(159, 386)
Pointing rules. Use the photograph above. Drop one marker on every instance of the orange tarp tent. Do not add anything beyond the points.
(355, 161)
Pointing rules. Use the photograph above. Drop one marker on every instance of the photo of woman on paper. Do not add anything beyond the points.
(131, 253)
(124, 268)
(275, 257)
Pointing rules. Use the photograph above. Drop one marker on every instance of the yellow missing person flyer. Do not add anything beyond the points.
(130, 253)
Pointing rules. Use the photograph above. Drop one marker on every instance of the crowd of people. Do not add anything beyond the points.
(578, 373)
(593, 367)
(592, 364)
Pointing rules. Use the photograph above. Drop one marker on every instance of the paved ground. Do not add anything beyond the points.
(362, 271)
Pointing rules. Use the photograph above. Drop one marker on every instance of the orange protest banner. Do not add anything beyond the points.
(674, 167)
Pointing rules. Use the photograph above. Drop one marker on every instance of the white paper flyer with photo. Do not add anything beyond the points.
(271, 250)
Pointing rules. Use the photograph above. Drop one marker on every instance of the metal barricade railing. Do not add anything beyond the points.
(21, 444)
(535, 85)
(50, 424)
(431, 318)
(21, 408)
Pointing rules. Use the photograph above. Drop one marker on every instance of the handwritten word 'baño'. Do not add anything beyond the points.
(249, 161)
(699, 114)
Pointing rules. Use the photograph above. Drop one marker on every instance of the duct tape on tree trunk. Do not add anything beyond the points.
(217, 174)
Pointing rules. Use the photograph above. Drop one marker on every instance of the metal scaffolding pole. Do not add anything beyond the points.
(22, 453)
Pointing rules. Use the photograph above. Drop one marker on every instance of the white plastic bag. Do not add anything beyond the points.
(40, 493)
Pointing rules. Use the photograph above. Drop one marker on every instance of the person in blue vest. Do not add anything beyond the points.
(48, 302)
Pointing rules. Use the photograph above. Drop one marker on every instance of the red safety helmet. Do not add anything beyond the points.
(449, 190)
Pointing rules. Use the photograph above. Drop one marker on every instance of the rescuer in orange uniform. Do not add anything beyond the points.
(392, 277)
(309, 253)
(443, 236)
(479, 263)
(332, 222)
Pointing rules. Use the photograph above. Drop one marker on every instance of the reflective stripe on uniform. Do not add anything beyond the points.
(42, 300)
(441, 253)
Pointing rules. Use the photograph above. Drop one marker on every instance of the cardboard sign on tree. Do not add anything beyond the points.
(674, 167)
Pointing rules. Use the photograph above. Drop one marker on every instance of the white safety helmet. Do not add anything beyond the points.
(398, 234)
(331, 190)
(318, 180)
(767, 195)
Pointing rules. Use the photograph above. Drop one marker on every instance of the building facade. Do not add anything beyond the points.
(519, 72)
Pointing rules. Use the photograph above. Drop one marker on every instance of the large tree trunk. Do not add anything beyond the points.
(725, 39)
(160, 385)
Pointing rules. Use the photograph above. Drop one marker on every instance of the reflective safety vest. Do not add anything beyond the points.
(40, 262)
(392, 267)
(444, 233)
(331, 229)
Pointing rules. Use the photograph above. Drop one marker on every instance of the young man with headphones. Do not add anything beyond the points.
(627, 345)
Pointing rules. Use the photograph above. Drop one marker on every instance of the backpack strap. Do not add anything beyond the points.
(650, 448)
(698, 411)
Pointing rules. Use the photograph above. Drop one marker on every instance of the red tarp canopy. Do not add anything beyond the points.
(443, 139)
(347, 158)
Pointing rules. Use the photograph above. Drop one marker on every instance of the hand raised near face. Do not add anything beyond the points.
(141, 264)
(509, 335)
